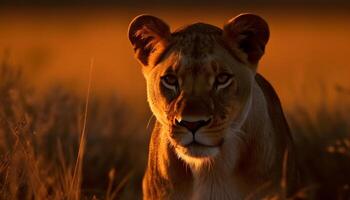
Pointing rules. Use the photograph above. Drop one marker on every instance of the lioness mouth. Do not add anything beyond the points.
(197, 144)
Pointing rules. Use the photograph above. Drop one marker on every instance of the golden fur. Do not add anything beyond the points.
(237, 151)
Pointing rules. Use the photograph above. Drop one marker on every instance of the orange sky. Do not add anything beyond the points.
(305, 50)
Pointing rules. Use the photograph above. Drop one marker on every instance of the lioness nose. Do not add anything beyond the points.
(193, 126)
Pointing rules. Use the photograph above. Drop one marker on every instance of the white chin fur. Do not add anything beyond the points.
(197, 155)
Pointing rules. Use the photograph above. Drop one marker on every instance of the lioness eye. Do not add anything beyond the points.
(169, 81)
(223, 80)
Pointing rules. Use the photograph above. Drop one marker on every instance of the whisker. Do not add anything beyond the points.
(214, 130)
(149, 121)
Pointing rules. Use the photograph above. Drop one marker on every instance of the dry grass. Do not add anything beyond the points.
(323, 144)
(41, 138)
(41, 135)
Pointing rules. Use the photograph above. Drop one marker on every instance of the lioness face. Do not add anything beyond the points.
(199, 78)
(198, 98)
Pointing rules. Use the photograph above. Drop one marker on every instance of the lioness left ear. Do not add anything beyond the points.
(249, 33)
(148, 35)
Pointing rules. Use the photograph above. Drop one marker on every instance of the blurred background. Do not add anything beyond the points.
(46, 50)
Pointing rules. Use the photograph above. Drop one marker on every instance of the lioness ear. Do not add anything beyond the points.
(249, 33)
(148, 34)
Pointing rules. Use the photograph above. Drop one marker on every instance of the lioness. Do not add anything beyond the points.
(220, 132)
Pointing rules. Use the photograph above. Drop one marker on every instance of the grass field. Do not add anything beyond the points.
(57, 145)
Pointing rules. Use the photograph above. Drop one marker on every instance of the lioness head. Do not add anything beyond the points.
(199, 78)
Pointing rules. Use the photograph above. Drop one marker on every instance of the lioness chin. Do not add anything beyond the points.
(220, 131)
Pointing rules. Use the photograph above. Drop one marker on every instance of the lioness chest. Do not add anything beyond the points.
(212, 188)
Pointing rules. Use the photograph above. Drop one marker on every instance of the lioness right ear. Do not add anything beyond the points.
(250, 34)
(148, 35)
